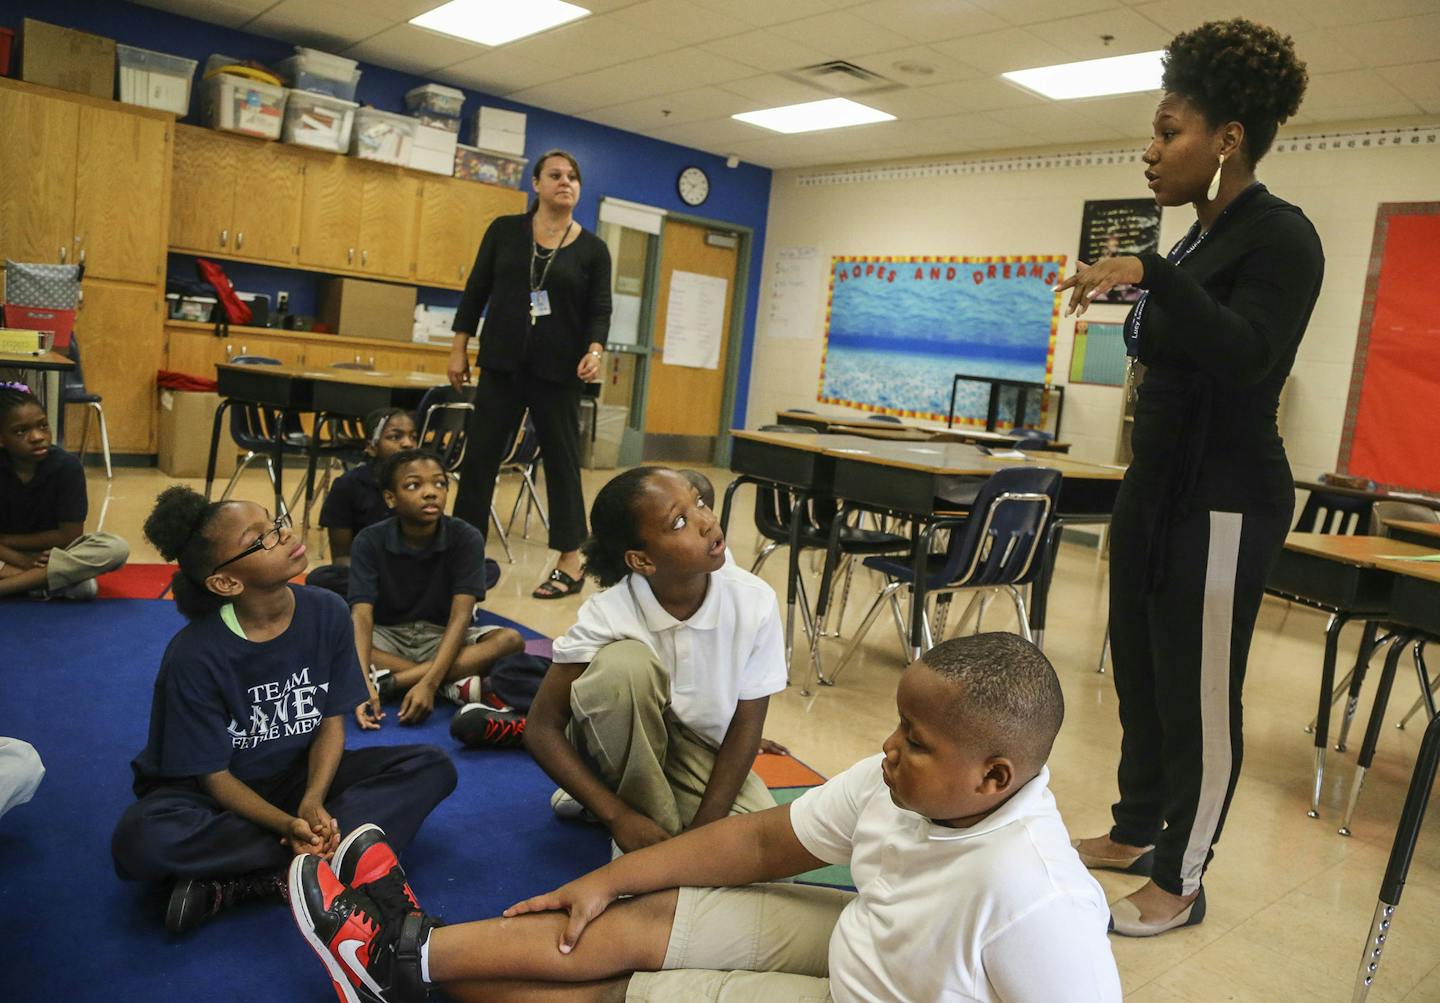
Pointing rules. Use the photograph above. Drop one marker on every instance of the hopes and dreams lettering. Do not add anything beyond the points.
(279, 710)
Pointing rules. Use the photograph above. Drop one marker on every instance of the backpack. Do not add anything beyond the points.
(231, 309)
(515, 679)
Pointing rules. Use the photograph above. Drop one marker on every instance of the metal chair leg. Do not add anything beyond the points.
(769, 549)
(1372, 730)
(104, 438)
(1427, 687)
(844, 597)
(888, 592)
(1021, 612)
(980, 613)
(970, 607)
(240, 469)
(534, 497)
(1340, 689)
(84, 435)
(500, 532)
(1104, 648)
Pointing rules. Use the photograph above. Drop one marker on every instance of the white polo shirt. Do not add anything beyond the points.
(731, 649)
(1003, 910)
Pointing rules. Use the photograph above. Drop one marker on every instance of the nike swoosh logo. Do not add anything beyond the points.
(348, 951)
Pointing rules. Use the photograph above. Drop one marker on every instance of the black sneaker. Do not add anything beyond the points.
(385, 685)
(195, 900)
(367, 863)
(482, 727)
(371, 958)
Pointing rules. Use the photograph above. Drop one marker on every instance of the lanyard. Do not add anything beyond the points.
(549, 259)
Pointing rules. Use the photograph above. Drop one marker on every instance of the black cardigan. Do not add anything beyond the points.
(579, 288)
(1218, 337)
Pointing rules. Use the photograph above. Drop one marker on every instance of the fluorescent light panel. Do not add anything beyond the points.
(495, 22)
(812, 116)
(1093, 77)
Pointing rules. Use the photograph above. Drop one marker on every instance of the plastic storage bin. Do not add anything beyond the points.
(383, 136)
(434, 150)
(447, 122)
(435, 98)
(154, 79)
(491, 168)
(318, 120)
(321, 73)
(239, 104)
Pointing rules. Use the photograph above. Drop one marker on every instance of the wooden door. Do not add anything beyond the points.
(37, 176)
(388, 210)
(121, 161)
(269, 185)
(120, 328)
(202, 190)
(440, 253)
(684, 400)
(330, 212)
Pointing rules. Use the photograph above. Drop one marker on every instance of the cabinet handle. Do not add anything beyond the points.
(81, 259)
(239, 239)
(229, 352)
(460, 271)
(350, 256)
(63, 251)
(224, 237)
(364, 258)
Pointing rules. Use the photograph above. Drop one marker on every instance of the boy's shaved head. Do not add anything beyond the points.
(1007, 698)
(702, 484)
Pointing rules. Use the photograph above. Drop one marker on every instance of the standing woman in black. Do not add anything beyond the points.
(1205, 506)
(546, 283)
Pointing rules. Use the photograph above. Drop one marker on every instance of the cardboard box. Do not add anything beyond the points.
(186, 419)
(68, 59)
(360, 309)
(500, 131)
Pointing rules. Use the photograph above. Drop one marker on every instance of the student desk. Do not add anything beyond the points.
(1344, 576)
(918, 480)
(49, 365)
(860, 426)
(325, 392)
(1426, 534)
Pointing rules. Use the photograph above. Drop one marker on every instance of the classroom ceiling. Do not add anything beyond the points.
(678, 69)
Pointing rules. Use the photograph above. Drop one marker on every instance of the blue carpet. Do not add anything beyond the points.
(76, 684)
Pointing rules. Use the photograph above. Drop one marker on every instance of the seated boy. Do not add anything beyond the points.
(414, 581)
(968, 888)
(44, 549)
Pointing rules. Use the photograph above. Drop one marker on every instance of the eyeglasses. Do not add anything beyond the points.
(269, 540)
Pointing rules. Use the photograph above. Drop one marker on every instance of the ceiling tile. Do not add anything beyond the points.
(227, 13)
(1021, 12)
(716, 134)
(767, 12)
(928, 20)
(681, 21)
(1392, 43)
(771, 90)
(842, 36)
(499, 71)
(901, 66)
(766, 51)
(1128, 114)
(1327, 50)
(1081, 37)
(321, 24)
(1334, 13)
(1176, 16)
(1420, 82)
(985, 94)
(909, 103)
(1336, 96)
(394, 11)
(406, 47)
(1054, 125)
(669, 110)
(632, 81)
(999, 51)
(589, 44)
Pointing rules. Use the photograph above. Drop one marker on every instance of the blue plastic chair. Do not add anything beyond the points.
(73, 391)
(442, 418)
(998, 546)
(255, 428)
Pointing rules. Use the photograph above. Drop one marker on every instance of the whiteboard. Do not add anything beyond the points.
(795, 294)
(695, 320)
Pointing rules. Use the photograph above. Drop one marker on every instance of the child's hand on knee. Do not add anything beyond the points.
(418, 703)
(583, 899)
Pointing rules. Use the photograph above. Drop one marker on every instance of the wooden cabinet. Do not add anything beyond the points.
(120, 330)
(235, 196)
(37, 176)
(387, 221)
(454, 216)
(330, 214)
(121, 162)
(202, 203)
(268, 185)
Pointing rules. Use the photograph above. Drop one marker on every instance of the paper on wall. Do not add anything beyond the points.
(695, 320)
(795, 294)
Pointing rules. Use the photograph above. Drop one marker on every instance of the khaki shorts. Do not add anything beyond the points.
(760, 944)
(420, 640)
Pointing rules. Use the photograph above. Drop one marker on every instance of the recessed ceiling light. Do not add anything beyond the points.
(495, 22)
(812, 116)
(1093, 77)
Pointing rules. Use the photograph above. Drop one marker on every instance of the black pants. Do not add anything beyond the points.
(180, 831)
(500, 400)
(1179, 656)
(335, 577)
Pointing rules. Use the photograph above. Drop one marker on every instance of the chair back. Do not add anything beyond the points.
(1337, 514)
(444, 414)
(773, 505)
(525, 450)
(1385, 512)
(253, 427)
(72, 382)
(1002, 542)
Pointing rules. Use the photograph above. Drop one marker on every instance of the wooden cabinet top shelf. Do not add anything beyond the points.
(237, 332)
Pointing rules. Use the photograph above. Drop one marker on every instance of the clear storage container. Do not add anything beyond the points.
(318, 120)
(154, 79)
(383, 136)
(435, 98)
(321, 73)
(491, 168)
(239, 104)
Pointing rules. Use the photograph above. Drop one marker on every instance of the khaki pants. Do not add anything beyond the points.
(759, 944)
(420, 640)
(88, 556)
(622, 722)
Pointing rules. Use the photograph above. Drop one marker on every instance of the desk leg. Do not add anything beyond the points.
(920, 568)
(822, 602)
(1322, 717)
(1040, 588)
(54, 409)
(215, 445)
(1357, 680)
(277, 457)
(797, 514)
(729, 497)
(312, 460)
(1372, 730)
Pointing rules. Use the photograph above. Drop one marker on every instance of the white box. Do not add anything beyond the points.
(154, 79)
(383, 136)
(500, 131)
(239, 104)
(318, 120)
(433, 150)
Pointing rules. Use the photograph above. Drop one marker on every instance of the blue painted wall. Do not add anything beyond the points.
(616, 163)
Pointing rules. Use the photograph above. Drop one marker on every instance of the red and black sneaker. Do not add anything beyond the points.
(367, 863)
(482, 727)
(370, 958)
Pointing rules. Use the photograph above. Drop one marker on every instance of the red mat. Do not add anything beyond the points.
(137, 581)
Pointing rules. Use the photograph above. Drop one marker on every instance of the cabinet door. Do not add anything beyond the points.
(120, 329)
(202, 190)
(120, 194)
(330, 212)
(197, 352)
(269, 185)
(443, 253)
(37, 176)
(387, 222)
(276, 346)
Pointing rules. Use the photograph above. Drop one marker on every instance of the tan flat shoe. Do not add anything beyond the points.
(1125, 918)
(1141, 863)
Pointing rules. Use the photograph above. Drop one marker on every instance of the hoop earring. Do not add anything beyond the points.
(1214, 188)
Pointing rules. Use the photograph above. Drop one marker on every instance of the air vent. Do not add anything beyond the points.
(842, 78)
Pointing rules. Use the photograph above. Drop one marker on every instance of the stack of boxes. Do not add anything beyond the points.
(497, 156)
(320, 104)
(436, 110)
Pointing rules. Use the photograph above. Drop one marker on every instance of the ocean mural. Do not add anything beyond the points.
(898, 330)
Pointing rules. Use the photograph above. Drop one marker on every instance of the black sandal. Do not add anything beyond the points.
(558, 586)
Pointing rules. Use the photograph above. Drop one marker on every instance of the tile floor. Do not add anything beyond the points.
(1289, 900)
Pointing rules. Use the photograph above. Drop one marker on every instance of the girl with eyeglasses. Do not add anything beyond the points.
(245, 765)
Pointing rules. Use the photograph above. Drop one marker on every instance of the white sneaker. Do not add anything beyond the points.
(615, 852)
(564, 806)
(463, 691)
(80, 591)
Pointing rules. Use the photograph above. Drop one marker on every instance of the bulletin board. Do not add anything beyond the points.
(1389, 433)
(1113, 227)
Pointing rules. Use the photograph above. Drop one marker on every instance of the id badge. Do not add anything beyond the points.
(540, 303)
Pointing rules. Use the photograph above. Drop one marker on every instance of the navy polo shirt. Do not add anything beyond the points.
(406, 585)
(54, 495)
(355, 501)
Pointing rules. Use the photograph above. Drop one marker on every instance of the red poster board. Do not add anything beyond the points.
(1390, 420)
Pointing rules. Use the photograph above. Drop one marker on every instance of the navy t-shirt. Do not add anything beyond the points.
(222, 702)
(355, 501)
(406, 585)
(54, 495)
